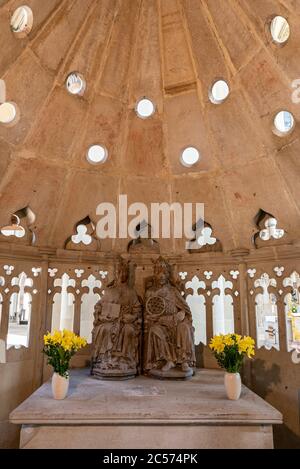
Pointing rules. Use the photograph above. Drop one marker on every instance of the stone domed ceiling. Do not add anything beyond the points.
(171, 52)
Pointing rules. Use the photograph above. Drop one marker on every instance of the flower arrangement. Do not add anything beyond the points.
(230, 350)
(59, 347)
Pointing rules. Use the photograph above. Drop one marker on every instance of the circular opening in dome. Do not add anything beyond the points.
(280, 29)
(219, 92)
(97, 154)
(190, 156)
(284, 123)
(8, 113)
(75, 83)
(145, 108)
(21, 21)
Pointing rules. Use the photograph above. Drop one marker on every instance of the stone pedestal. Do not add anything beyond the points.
(145, 413)
(174, 373)
(113, 374)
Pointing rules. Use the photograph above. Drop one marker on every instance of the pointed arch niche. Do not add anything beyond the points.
(2, 283)
(88, 301)
(197, 305)
(292, 320)
(63, 303)
(19, 312)
(266, 314)
(222, 310)
(1, 303)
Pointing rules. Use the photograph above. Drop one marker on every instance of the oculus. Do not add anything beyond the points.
(22, 21)
(189, 156)
(97, 154)
(144, 108)
(280, 29)
(8, 113)
(219, 92)
(2, 91)
(284, 123)
(75, 84)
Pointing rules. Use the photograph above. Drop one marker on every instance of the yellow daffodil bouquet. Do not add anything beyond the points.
(59, 347)
(230, 350)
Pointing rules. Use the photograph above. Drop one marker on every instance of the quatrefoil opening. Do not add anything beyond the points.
(204, 241)
(234, 274)
(271, 230)
(52, 272)
(83, 237)
(79, 272)
(103, 273)
(266, 224)
(251, 272)
(8, 269)
(278, 270)
(207, 274)
(182, 275)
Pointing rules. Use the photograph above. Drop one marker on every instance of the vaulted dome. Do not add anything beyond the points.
(76, 79)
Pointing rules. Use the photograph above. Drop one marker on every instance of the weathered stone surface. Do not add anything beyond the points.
(117, 328)
(199, 404)
(202, 400)
(171, 52)
(168, 333)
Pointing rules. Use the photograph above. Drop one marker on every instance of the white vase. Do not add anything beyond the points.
(60, 386)
(233, 385)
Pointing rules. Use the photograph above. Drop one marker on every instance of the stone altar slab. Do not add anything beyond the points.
(145, 413)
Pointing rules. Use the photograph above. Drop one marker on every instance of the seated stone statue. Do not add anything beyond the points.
(169, 350)
(117, 328)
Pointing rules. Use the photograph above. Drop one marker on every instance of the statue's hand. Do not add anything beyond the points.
(125, 309)
(129, 318)
(165, 321)
(180, 316)
(103, 319)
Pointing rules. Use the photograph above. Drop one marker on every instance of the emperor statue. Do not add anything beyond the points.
(117, 328)
(169, 350)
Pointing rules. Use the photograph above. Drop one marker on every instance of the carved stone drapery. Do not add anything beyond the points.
(117, 328)
(168, 333)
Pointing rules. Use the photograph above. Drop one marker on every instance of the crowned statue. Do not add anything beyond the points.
(169, 350)
(117, 327)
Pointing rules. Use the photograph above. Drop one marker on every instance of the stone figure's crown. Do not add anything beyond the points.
(161, 265)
